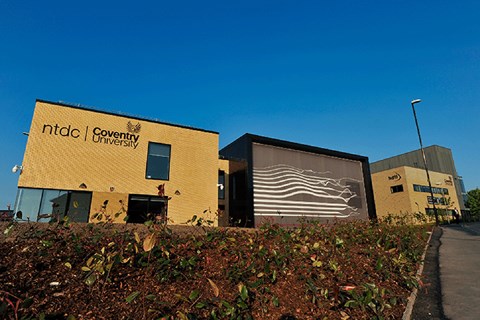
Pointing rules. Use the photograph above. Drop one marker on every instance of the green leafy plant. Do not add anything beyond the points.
(369, 296)
(221, 273)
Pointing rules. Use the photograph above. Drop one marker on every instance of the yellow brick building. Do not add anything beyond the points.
(404, 190)
(80, 162)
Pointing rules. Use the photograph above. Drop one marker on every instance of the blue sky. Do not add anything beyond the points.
(334, 74)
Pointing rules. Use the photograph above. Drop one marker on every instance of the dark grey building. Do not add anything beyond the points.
(284, 182)
(439, 159)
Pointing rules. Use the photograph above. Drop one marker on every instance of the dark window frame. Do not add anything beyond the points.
(150, 177)
(149, 200)
(435, 190)
(65, 212)
(396, 188)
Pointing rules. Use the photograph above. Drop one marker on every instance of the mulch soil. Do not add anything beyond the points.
(345, 271)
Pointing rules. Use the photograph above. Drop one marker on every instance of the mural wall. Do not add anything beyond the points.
(291, 185)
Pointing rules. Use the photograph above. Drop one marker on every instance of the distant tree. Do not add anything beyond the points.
(473, 202)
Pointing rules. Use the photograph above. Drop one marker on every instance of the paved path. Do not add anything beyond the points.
(451, 275)
(459, 260)
(428, 304)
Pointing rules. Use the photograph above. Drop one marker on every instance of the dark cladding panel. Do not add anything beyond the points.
(238, 149)
(291, 185)
(240, 199)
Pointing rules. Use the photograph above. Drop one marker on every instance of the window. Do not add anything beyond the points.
(221, 184)
(419, 188)
(28, 203)
(395, 189)
(158, 161)
(79, 205)
(44, 205)
(53, 205)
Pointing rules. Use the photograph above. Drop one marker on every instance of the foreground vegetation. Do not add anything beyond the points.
(356, 270)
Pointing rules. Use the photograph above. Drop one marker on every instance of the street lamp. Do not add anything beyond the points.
(424, 159)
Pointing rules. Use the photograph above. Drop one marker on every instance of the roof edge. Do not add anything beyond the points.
(305, 147)
(126, 115)
(413, 151)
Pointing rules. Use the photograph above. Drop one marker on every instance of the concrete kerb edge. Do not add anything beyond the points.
(407, 314)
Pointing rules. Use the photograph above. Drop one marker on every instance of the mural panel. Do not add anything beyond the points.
(291, 185)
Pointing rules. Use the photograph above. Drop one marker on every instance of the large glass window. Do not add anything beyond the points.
(53, 205)
(44, 205)
(79, 206)
(158, 161)
(28, 203)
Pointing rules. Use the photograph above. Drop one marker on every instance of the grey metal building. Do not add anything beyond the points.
(439, 159)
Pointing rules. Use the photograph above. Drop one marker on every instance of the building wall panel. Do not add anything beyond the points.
(66, 150)
(409, 201)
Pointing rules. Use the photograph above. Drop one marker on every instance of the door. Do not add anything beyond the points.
(142, 208)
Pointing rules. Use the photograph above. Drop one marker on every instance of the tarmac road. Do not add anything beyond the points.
(451, 275)
(460, 271)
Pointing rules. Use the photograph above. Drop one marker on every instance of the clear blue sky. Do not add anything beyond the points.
(333, 74)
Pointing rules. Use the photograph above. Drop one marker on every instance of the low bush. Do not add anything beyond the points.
(356, 270)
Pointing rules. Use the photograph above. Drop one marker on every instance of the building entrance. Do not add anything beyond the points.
(142, 208)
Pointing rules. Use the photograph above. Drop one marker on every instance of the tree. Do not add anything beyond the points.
(473, 202)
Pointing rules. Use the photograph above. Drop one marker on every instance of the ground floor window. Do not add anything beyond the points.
(45, 205)
(142, 208)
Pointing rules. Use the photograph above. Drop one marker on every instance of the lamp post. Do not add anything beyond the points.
(424, 159)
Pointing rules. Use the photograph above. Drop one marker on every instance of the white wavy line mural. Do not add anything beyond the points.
(299, 215)
(286, 168)
(270, 207)
(283, 167)
(303, 191)
(287, 191)
(292, 186)
(305, 202)
(291, 181)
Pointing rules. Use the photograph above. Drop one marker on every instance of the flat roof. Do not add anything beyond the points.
(123, 115)
(301, 147)
(411, 167)
(433, 146)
